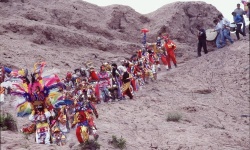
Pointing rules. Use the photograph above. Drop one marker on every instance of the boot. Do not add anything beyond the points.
(167, 68)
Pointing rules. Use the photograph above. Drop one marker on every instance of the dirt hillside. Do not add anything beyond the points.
(48, 30)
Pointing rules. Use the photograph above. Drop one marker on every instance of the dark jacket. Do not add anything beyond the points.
(202, 35)
(124, 77)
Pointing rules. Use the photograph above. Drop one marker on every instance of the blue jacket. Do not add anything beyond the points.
(237, 18)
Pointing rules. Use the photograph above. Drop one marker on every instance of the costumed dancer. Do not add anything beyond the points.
(37, 99)
(58, 137)
(116, 80)
(68, 81)
(158, 52)
(93, 80)
(170, 48)
(130, 69)
(91, 94)
(89, 109)
(40, 116)
(153, 71)
(1, 94)
(82, 131)
(137, 74)
(104, 83)
(63, 118)
(139, 54)
(144, 40)
(151, 53)
(126, 82)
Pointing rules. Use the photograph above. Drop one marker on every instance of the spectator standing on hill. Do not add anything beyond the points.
(225, 23)
(220, 38)
(238, 21)
(241, 12)
(202, 43)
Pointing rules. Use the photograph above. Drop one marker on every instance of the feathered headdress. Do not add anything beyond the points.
(26, 96)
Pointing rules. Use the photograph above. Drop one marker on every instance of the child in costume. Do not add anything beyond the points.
(58, 137)
(40, 116)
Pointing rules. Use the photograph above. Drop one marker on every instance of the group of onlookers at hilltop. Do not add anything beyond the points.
(222, 27)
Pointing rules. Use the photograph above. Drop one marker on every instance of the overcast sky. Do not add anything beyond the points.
(147, 6)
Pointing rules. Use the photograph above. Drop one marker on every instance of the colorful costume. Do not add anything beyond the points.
(58, 137)
(126, 78)
(89, 109)
(1, 94)
(82, 131)
(40, 116)
(159, 54)
(37, 99)
(170, 48)
(63, 123)
(91, 94)
(116, 82)
(103, 84)
(68, 82)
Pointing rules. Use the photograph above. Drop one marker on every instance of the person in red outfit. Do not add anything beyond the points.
(93, 77)
(81, 120)
(170, 48)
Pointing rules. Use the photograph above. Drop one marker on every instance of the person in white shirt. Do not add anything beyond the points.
(241, 12)
(225, 23)
(219, 39)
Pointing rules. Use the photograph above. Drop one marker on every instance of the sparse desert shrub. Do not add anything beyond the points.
(205, 91)
(7, 122)
(174, 116)
(90, 145)
(118, 143)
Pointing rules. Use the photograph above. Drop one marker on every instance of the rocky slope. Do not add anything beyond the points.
(47, 30)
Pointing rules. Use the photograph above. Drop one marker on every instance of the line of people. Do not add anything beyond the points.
(56, 105)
